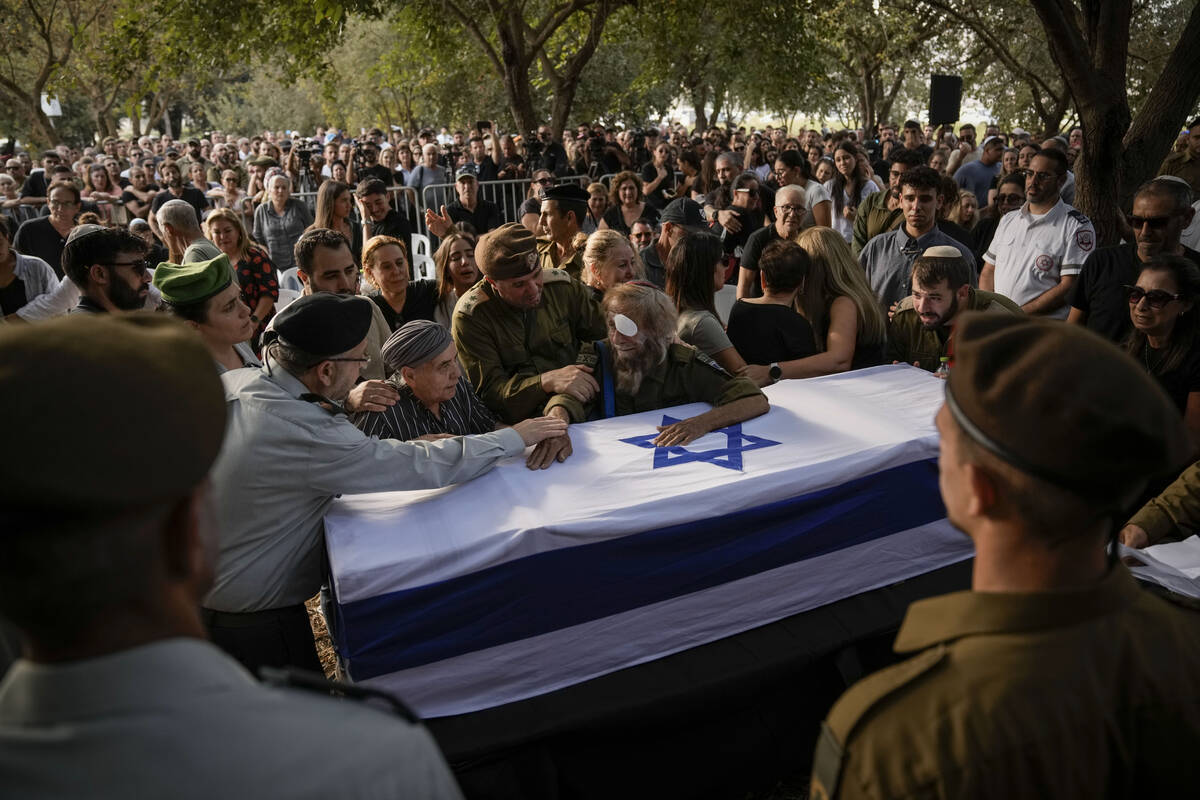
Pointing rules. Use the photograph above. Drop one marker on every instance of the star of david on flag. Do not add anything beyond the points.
(729, 456)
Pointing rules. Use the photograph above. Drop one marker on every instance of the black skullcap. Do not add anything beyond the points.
(324, 324)
(1062, 404)
(75, 391)
(567, 192)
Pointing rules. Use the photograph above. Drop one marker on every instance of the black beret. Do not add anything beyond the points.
(324, 324)
(107, 412)
(1060, 403)
(568, 192)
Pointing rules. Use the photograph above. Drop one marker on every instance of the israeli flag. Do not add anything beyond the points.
(521, 582)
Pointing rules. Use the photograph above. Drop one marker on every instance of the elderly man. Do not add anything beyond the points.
(887, 259)
(289, 450)
(921, 329)
(435, 400)
(182, 234)
(641, 366)
(1056, 675)
(519, 330)
(790, 208)
(1161, 210)
(564, 208)
(680, 216)
(1038, 251)
(118, 692)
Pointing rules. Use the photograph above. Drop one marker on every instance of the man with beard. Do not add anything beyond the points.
(109, 267)
(175, 190)
(226, 159)
(1162, 208)
(519, 331)
(717, 202)
(922, 327)
(641, 367)
(887, 259)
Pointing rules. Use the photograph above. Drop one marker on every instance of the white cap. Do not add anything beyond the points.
(942, 251)
(991, 139)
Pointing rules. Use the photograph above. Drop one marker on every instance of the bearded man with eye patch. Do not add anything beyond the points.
(640, 367)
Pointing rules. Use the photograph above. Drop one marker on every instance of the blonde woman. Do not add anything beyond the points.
(608, 260)
(966, 210)
(847, 323)
(251, 263)
(457, 272)
(385, 266)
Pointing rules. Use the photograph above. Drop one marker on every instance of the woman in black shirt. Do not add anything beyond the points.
(768, 329)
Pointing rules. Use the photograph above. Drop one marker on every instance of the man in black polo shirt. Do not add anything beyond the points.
(789, 216)
(1162, 208)
(176, 190)
(469, 207)
(680, 216)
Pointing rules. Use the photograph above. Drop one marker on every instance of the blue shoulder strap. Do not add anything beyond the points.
(606, 380)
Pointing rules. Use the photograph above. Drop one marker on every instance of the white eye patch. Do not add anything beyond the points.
(624, 325)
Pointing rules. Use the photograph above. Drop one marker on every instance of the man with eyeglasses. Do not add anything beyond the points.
(1162, 208)
(1038, 251)
(792, 169)
(108, 265)
(887, 259)
(790, 209)
(289, 450)
(1010, 195)
(45, 237)
(880, 212)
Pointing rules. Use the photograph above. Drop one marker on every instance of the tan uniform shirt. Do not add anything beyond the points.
(505, 350)
(573, 265)
(1184, 166)
(1177, 507)
(1093, 693)
(910, 342)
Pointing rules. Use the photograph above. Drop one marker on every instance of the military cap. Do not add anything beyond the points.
(189, 284)
(263, 161)
(75, 393)
(684, 211)
(414, 343)
(509, 251)
(567, 192)
(323, 324)
(1062, 404)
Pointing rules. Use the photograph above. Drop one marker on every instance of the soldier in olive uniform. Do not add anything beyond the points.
(1056, 675)
(519, 330)
(641, 367)
(1174, 513)
(563, 209)
(920, 330)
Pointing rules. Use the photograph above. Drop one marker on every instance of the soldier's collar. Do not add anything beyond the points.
(953, 616)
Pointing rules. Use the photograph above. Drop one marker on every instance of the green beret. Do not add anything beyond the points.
(107, 412)
(263, 161)
(1060, 403)
(324, 324)
(507, 252)
(189, 284)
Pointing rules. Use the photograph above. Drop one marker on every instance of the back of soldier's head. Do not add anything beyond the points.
(115, 422)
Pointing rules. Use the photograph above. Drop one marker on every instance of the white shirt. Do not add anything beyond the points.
(1191, 234)
(1033, 252)
(840, 224)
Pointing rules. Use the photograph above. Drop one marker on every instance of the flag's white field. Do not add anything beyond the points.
(618, 492)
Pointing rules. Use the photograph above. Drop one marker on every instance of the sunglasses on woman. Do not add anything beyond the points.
(1155, 298)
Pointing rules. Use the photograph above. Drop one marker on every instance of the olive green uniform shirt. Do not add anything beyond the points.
(1090, 693)
(1184, 166)
(911, 342)
(573, 266)
(1177, 507)
(873, 219)
(505, 350)
(685, 376)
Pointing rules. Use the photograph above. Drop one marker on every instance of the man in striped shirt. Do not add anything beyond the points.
(436, 400)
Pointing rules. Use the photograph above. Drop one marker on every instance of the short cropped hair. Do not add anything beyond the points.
(370, 186)
(314, 238)
(932, 270)
(97, 248)
(784, 265)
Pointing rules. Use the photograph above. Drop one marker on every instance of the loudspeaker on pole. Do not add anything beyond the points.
(945, 98)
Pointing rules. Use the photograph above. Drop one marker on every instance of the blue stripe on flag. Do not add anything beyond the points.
(560, 588)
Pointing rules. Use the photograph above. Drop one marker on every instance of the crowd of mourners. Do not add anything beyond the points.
(395, 311)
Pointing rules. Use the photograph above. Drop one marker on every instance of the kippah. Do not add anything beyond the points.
(942, 251)
(509, 251)
(76, 392)
(414, 343)
(189, 284)
(1062, 404)
(324, 324)
(84, 231)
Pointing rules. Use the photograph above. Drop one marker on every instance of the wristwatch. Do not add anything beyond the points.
(776, 372)
(254, 319)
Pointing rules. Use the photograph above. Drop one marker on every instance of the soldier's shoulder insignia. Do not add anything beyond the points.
(470, 301)
(706, 360)
(1078, 216)
(555, 275)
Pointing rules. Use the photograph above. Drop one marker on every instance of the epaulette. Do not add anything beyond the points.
(905, 304)
(552, 275)
(1078, 216)
(293, 678)
(853, 706)
(474, 297)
